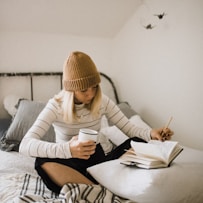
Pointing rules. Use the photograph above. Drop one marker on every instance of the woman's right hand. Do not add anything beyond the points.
(81, 150)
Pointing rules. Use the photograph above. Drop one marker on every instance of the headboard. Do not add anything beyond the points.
(41, 86)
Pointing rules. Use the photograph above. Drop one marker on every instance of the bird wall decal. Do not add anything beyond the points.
(149, 26)
(160, 16)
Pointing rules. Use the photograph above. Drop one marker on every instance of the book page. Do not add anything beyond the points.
(167, 148)
(155, 149)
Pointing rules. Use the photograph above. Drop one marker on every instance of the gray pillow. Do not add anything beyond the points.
(26, 114)
(4, 125)
(126, 109)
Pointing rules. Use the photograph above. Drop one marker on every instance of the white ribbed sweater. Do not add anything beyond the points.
(32, 145)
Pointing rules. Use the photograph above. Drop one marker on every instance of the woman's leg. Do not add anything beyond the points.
(57, 172)
(61, 174)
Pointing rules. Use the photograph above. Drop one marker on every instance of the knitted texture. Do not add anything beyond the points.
(79, 72)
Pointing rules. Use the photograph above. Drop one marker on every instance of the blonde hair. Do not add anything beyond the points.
(66, 101)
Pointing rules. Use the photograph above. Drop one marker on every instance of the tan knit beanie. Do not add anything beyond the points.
(79, 72)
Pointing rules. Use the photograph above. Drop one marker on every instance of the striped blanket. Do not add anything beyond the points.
(34, 190)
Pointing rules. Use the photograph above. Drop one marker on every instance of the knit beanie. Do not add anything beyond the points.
(79, 72)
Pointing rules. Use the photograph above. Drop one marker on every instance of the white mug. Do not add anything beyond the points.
(86, 134)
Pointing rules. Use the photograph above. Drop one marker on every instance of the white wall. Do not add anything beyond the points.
(160, 70)
(21, 51)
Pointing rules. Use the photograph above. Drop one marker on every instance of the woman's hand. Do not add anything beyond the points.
(81, 150)
(161, 134)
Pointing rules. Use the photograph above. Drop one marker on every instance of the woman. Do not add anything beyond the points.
(80, 104)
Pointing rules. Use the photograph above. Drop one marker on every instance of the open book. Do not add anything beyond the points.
(154, 154)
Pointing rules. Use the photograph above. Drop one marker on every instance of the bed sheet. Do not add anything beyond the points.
(19, 183)
(13, 168)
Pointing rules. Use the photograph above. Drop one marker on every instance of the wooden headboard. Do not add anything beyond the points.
(41, 86)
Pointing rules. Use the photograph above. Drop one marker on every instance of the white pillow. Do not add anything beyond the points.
(117, 136)
(181, 182)
(137, 120)
(10, 103)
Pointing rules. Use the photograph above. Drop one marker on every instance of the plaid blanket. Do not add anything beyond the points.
(34, 190)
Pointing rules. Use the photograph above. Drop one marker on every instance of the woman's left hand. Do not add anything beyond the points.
(161, 134)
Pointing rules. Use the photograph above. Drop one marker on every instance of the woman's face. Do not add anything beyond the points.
(85, 96)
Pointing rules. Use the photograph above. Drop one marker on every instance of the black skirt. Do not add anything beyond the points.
(81, 164)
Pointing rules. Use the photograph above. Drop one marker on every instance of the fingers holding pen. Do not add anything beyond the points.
(161, 134)
(166, 134)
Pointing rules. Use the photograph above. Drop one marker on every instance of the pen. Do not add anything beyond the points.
(166, 126)
(130, 151)
(168, 123)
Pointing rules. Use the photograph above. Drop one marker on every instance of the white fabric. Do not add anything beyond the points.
(117, 136)
(15, 162)
(181, 182)
(10, 102)
(12, 171)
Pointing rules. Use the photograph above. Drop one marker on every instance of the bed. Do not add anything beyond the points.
(23, 97)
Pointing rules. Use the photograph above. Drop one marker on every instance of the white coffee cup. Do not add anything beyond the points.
(86, 134)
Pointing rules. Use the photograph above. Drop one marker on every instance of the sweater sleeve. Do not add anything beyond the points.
(32, 145)
(116, 116)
